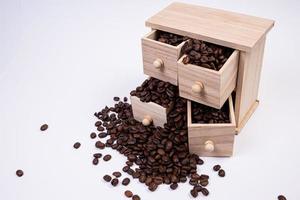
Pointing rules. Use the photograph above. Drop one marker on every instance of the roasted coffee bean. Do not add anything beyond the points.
(117, 174)
(136, 197)
(107, 178)
(128, 193)
(198, 188)
(100, 128)
(194, 193)
(100, 145)
(19, 173)
(98, 123)
(93, 135)
(125, 181)
(95, 161)
(152, 187)
(204, 177)
(126, 168)
(116, 98)
(107, 157)
(221, 173)
(170, 38)
(44, 127)
(125, 99)
(281, 197)
(204, 182)
(174, 186)
(97, 155)
(131, 157)
(76, 145)
(205, 191)
(195, 176)
(216, 168)
(114, 182)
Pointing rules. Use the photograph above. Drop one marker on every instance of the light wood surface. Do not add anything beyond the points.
(148, 111)
(160, 59)
(250, 65)
(246, 117)
(235, 30)
(216, 85)
(220, 135)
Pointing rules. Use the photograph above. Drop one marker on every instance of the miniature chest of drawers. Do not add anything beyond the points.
(245, 34)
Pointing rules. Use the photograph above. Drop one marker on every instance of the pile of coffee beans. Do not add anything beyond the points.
(157, 91)
(170, 38)
(207, 115)
(205, 54)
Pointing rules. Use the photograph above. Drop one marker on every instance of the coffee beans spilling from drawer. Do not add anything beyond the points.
(205, 114)
(205, 54)
(170, 38)
(160, 92)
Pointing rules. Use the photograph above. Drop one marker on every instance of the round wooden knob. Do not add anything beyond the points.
(209, 146)
(158, 63)
(197, 87)
(147, 120)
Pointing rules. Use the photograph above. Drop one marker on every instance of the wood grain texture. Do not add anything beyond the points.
(235, 30)
(141, 110)
(169, 54)
(247, 117)
(222, 135)
(250, 65)
(218, 85)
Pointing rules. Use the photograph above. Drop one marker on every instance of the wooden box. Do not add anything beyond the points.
(245, 33)
(160, 59)
(207, 86)
(211, 139)
(148, 112)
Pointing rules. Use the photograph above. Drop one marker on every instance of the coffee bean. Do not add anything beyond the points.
(44, 127)
(98, 123)
(204, 183)
(281, 197)
(205, 191)
(117, 174)
(169, 38)
(76, 145)
(95, 161)
(116, 98)
(173, 186)
(107, 157)
(126, 168)
(19, 173)
(216, 168)
(125, 99)
(152, 187)
(198, 188)
(194, 193)
(125, 181)
(97, 155)
(128, 193)
(136, 197)
(114, 182)
(107, 178)
(100, 145)
(93, 135)
(221, 173)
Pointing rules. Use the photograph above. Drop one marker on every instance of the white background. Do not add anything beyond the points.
(60, 61)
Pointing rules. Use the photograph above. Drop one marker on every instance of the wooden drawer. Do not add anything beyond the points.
(160, 59)
(212, 139)
(206, 86)
(148, 112)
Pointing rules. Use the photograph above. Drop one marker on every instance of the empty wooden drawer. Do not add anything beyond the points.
(148, 112)
(207, 86)
(212, 139)
(160, 59)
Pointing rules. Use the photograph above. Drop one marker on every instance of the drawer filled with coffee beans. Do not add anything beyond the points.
(207, 72)
(211, 131)
(161, 50)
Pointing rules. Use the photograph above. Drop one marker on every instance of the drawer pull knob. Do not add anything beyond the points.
(147, 120)
(209, 146)
(158, 63)
(197, 87)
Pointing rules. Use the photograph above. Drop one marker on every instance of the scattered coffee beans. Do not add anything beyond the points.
(204, 54)
(107, 157)
(107, 178)
(170, 38)
(125, 181)
(19, 173)
(136, 197)
(194, 193)
(114, 182)
(44, 127)
(216, 168)
(76, 145)
(97, 155)
(125, 99)
(221, 173)
(128, 193)
(173, 186)
(116, 98)
(95, 161)
(281, 197)
(93, 135)
(117, 174)
(205, 191)
(100, 145)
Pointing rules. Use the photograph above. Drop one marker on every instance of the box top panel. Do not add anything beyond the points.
(221, 27)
